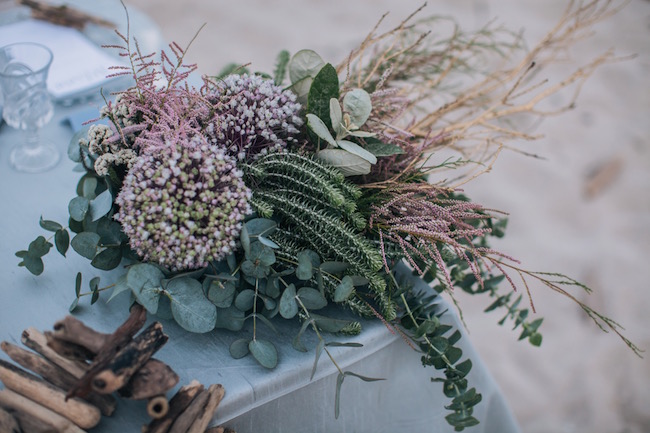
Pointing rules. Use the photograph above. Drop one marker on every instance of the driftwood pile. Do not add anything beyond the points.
(69, 377)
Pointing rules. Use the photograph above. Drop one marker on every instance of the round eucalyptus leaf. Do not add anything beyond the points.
(38, 247)
(50, 226)
(62, 241)
(190, 308)
(144, 281)
(108, 259)
(119, 287)
(230, 318)
(268, 242)
(221, 293)
(88, 186)
(100, 205)
(165, 308)
(343, 290)
(74, 305)
(304, 270)
(239, 348)
(245, 299)
(288, 304)
(78, 207)
(85, 244)
(264, 352)
(348, 163)
(358, 105)
(305, 63)
(312, 298)
(335, 268)
(245, 239)
(33, 264)
(261, 227)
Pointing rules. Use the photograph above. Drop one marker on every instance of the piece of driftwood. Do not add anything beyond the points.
(153, 379)
(16, 402)
(68, 349)
(178, 403)
(184, 421)
(113, 344)
(75, 331)
(220, 429)
(8, 424)
(216, 393)
(38, 390)
(63, 15)
(32, 425)
(157, 407)
(55, 375)
(116, 373)
(36, 341)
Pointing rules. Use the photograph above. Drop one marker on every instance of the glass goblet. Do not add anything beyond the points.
(27, 105)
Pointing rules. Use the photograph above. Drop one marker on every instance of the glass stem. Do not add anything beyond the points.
(31, 139)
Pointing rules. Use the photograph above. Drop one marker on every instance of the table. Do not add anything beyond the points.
(280, 400)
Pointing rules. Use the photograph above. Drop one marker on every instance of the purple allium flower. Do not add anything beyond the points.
(183, 206)
(253, 117)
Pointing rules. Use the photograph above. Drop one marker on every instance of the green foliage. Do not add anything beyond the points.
(281, 65)
(324, 87)
(317, 210)
(421, 321)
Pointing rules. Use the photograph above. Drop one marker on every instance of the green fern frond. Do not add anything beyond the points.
(317, 205)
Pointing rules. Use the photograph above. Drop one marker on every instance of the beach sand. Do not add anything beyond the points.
(582, 209)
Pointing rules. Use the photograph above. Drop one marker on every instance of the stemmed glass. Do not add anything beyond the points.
(27, 105)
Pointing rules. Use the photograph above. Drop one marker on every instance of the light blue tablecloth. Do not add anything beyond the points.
(257, 400)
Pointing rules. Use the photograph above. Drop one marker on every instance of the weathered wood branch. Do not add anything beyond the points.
(157, 407)
(113, 344)
(154, 378)
(216, 393)
(75, 331)
(56, 375)
(178, 403)
(16, 402)
(184, 421)
(36, 341)
(8, 423)
(115, 373)
(68, 349)
(38, 390)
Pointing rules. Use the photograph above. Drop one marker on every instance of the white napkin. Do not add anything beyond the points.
(78, 64)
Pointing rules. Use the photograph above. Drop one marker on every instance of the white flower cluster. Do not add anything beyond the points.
(254, 116)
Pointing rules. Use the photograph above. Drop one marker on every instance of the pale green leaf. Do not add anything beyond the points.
(357, 150)
(78, 207)
(85, 244)
(190, 308)
(239, 348)
(312, 298)
(288, 304)
(348, 163)
(336, 116)
(100, 205)
(264, 352)
(320, 129)
(144, 281)
(343, 290)
(358, 105)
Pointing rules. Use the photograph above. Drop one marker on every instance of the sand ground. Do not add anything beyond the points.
(580, 380)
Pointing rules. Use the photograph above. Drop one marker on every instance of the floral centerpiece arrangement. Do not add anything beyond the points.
(265, 196)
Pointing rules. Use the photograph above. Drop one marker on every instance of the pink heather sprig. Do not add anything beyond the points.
(418, 218)
(183, 206)
(253, 116)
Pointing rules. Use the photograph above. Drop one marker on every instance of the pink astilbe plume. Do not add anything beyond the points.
(421, 219)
